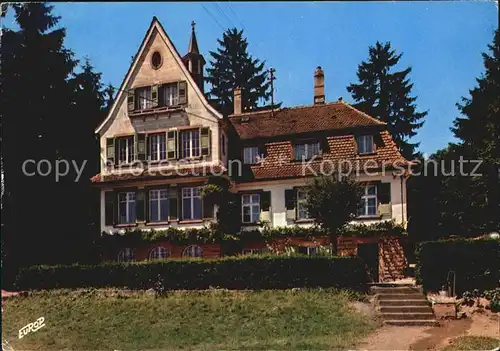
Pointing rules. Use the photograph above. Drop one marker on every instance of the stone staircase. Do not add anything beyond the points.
(403, 305)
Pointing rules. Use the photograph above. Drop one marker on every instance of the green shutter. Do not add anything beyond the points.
(290, 203)
(384, 200)
(205, 137)
(140, 206)
(182, 93)
(109, 208)
(154, 95)
(265, 206)
(140, 147)
(171, 145)
(110, 150)
(173, 207)
(131, 100)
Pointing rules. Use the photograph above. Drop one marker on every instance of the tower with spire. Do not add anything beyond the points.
(194, 61)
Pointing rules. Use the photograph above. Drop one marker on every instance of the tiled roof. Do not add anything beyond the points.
(304, 119)
(341, 152)
(197, 171)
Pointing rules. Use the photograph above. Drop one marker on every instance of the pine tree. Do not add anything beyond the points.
(232, 66)
(385, 94)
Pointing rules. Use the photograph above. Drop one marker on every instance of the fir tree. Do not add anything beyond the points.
(385, 94)
(232, 66)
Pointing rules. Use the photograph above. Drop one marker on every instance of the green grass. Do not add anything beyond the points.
(207, 320)
(473, 343)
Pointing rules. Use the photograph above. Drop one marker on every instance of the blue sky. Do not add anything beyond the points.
(442, 41)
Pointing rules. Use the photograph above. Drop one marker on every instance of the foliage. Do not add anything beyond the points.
(469, 298)
(263, 272)
(476, 264)
(333, 202)
(386, 228)
(232, 66)
(385, 94)
(214, 319)
(472, 343)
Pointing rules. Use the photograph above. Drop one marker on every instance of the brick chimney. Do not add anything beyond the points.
(237, 101)
(319, 86)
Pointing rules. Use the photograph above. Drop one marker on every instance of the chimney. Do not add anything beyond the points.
(319, 86)
(237, 101)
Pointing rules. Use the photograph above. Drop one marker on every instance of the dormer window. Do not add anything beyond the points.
(365, 144)
(250, 154)
(306, 150)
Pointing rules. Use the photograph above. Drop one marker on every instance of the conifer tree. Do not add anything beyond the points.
(384, 93)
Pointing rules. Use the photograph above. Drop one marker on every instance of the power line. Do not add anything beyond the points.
(223, 13)
(212, 17)
(235, 15)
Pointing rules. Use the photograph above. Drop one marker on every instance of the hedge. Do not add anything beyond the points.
(476, 264)
(263, 272)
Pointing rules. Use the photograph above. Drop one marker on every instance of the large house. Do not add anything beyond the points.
(162, 140)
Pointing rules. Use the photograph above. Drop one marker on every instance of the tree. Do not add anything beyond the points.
(385, 94)
(232, 66)
(333, 202)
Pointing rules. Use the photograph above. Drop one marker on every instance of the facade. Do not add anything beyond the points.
(162, 140)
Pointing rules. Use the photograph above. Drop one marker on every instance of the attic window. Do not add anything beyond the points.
(156, 60)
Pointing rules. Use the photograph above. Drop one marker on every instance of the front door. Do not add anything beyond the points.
(369, 255)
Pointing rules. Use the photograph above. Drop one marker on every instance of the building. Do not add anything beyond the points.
(162, 140)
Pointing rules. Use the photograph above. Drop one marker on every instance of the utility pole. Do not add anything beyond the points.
(272, 78)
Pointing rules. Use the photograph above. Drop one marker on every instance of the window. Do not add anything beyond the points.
(156, 60)
(250, 155)
(250, 208)
(144, 98)
(125, 149)
(156, 147)
(301, 204)
(365, 144)
(193, 251)
(368, 202)
(190, 143)
(126, 207)
(306, 151)
(158, 253)
(253, 251)
(126, 255)
(191, 203)
(158, 205)
(169, 94)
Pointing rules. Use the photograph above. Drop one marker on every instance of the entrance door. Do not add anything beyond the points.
(369, 255)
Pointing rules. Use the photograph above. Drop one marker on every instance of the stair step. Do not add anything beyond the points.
(418, 302)
(412, 296)
(427, 323)
(396, 290)
(405, 309)
(408, 316)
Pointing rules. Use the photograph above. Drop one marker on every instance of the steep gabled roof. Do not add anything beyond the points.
(301, 119)
(155, 25)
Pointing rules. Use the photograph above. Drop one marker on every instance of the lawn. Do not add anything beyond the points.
(473, 343)
(205, 320)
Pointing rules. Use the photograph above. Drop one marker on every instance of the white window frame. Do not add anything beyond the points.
(365, 144)
(193, 251)
(159, 253)
(157, 140)
(129, 149)
(193, 150)
(172, 98)
(309, 150)
(250, 154)
(144, 101)
(253, 200)
(301, 202)
(189, 193)
(365, 198)
(126, 255)
(129, 198)
(160, 194)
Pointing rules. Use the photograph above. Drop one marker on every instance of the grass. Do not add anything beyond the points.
(204, 320)
(473, 343)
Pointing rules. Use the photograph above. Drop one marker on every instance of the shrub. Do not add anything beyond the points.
(476, 264)
(264, 272)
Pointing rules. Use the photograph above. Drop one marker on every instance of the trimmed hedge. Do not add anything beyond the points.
(476, 264)
(263, 272)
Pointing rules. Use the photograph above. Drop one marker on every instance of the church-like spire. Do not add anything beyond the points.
(193, 44)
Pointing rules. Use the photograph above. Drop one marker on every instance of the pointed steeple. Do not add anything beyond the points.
(193, 43)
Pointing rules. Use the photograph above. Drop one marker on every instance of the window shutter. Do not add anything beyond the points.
(262, 150)
(140, 205)
(290, 201)
(109, 208)
(154, 96)
(110, 150)
(384, 199)
(265, 206)
(324, 147)
(140, 146)
(182, 93)
(173, 209)
(205, 137)
(131, 100)
(208, 208)
(171, 145)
